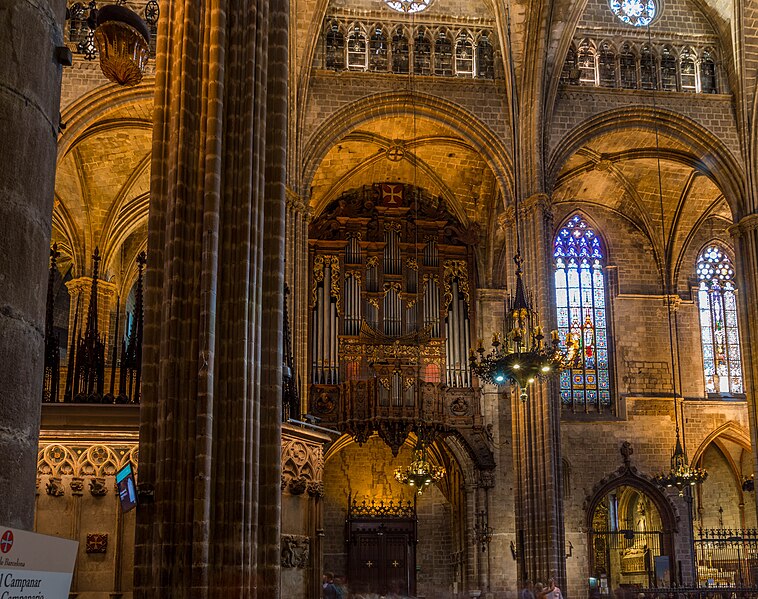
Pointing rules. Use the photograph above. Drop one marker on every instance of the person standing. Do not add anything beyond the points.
(528, 591)
(328, 590)
(553, 592)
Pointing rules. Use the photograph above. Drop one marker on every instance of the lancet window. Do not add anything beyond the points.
(424, 50)
(581, 301)
(719, 332)
(641, 66)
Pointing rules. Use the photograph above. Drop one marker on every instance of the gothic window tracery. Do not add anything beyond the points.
(357, 56)
(668, 69)
(443, 55)
(708, 73)
(607, 65)
(648, 67)
(464, 56)
(628, 66)
(581, 303)
(335, 47)
(687, 70)
(719, 332)
(423, 50)
(400, 51)
(378, 50)
(638, 13)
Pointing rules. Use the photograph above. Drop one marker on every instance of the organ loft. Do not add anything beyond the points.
(390, 298)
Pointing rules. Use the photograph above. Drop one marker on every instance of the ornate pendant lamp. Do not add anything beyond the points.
(420, 473)
(521, 356)
(123, 42)
(117, 35)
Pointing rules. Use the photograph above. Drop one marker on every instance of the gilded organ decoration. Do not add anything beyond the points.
(406, 312)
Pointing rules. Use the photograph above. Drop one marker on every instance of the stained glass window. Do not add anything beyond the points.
(638, 13)
(581, 302)
(717, 303)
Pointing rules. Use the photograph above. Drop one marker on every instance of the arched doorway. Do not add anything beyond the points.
(378, 534)
(630, 540)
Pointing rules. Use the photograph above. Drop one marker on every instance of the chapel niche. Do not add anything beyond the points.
(391, 306)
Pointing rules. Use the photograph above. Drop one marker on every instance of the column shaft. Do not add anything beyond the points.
(30, 81)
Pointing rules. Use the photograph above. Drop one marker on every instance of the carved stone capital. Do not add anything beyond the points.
(744, 226)
(316, 489)
(54, 487)
(486, 479)
(97, 486)
(77, 486)
(297, 486)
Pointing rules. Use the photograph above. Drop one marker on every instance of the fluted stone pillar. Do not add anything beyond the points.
(536, 422)
(209, 479)
(298, 217)
(745, 235)
(30, 77)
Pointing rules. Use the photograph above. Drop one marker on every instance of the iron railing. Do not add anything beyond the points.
(727, 558)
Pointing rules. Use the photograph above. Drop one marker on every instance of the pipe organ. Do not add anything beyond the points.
(391, 311)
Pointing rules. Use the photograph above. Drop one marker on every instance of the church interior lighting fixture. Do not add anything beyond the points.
(420, 473)
(680, 475)
(119, 36)
(520, 355)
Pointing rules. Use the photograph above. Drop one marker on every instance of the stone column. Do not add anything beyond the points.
(208, 525)
(298, 217)
(745, 235)
(30, 78)
(536, 421)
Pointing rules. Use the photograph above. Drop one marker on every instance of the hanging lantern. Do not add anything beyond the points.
(421, 472)
(123, 42)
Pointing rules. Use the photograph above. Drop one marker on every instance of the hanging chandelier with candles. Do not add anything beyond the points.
(522, 355)
(681, 475)
(420, 473)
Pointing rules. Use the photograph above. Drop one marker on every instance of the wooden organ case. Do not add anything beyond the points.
(392, 300)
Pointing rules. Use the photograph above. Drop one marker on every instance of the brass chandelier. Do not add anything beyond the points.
(420, 473)
(522, 356)
(681, 475)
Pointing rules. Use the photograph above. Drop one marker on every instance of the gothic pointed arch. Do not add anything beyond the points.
(582, 300)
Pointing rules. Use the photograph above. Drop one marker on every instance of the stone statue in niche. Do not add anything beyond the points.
(296, 551)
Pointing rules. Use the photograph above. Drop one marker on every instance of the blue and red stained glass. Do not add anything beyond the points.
(719, 331)
(580, 299)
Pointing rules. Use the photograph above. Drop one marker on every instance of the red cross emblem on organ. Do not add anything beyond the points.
(392, 194)
(6, 541)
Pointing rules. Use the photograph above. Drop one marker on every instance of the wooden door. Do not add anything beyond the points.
(382, 556)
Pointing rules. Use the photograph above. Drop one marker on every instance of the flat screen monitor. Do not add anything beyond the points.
(127, 490)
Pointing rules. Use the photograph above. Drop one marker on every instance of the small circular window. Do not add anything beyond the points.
(408, 6)
(638, 13)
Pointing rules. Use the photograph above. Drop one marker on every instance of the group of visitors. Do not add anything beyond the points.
(538, 590)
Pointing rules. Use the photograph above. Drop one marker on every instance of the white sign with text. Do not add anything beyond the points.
(35, 566)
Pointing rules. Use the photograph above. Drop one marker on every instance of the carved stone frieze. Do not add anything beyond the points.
(302, 463)
(82, 460)
(296, 551)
